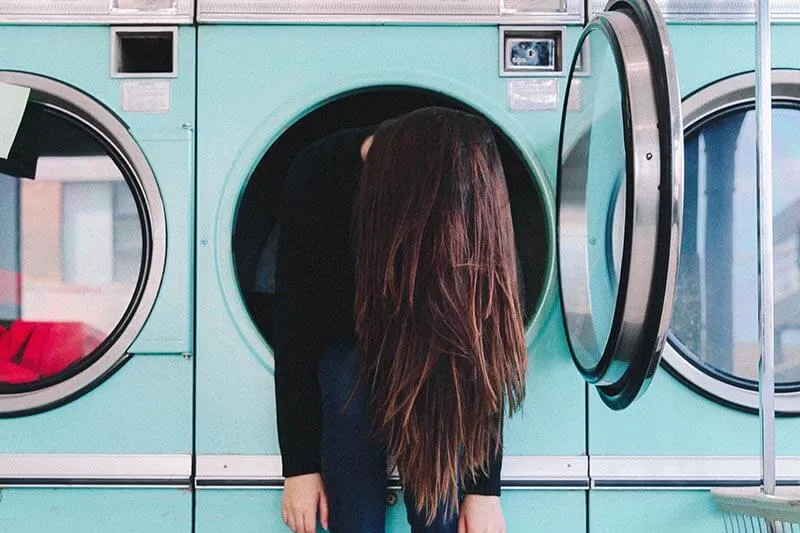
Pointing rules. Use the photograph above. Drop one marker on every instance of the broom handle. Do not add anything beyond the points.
(766, 331)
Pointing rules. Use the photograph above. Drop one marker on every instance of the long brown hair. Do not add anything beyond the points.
(437, 308)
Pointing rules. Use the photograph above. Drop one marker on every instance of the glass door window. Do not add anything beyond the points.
(81, 246)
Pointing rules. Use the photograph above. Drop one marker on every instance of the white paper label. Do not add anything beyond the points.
(13, 100)
(533, 95)
(146, 96)
(575, 100)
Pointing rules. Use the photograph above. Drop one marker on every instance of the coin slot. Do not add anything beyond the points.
(144, 52)
(531, 51)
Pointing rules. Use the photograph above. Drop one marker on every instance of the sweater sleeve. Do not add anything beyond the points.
(487, 483)
(296, 347)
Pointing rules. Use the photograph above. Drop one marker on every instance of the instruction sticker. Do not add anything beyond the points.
(532, 95)
(146, 96)
(13, 100)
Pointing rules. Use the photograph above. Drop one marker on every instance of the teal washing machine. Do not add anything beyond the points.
(275, 76)
(97, 104)
(697, 427)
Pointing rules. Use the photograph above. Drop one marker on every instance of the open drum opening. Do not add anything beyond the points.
(255, 233)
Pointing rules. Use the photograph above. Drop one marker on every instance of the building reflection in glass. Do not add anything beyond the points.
(716, 313)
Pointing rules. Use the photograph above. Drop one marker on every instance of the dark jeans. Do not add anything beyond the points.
(353, 463)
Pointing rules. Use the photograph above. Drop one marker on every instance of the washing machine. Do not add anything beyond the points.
(96, 291)
(698, 427)
(275, 76)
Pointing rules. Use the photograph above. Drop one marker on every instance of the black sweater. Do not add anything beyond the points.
(315, 294)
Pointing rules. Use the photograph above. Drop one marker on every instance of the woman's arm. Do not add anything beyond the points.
(296, 347)
(480, 511)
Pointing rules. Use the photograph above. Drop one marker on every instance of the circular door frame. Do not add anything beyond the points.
(113, 133)
(700, 106)
(654, 171)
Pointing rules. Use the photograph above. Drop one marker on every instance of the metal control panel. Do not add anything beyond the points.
(406, 11)
(97, 11)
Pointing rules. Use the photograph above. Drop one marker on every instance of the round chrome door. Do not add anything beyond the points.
(619, 199)
(713, 340)
(82, 245)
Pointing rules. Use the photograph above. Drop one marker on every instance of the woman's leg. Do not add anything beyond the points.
(417, 521)
(353, 463)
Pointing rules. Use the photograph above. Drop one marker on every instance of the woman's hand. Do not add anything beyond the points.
(481, 514)
(302, 496)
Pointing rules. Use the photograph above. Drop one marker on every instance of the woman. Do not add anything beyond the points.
(399, 329)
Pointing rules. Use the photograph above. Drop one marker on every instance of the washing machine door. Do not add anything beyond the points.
(82, 242)
(619, 199)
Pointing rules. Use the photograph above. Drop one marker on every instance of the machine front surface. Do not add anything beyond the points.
(287, 98)
(97, 336)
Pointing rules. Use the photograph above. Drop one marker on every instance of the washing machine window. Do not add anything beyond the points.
(81, 246)
(619, 200)
(256, 232)
(714, 342)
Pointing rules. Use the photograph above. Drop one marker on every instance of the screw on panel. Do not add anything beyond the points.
(391, 498)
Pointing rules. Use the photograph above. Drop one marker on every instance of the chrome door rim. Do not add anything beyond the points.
(110, 129)
(698, 107)
(654, 174)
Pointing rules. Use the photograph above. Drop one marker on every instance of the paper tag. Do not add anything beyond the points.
(146, 96)
(532, 95)
(575, 101)
(13, 100)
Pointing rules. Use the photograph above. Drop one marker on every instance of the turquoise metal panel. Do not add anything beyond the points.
(81, 56)
(239, 510)
(531, 511)
(169, 327)
(145, 407)
(257, 511)
(665, 511)
(244, 105)
(35, 510)
(671, 419)
(552, 419)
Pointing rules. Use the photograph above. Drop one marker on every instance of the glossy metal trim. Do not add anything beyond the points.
(46, 470)
(688, 472)
(717, 11)
(698, 108)
(93, 12)
(555, 19)
(87, 20)
(766, 300)
(242, 471)
(489, 12)
(375, 12)
(541, 472)
(104, 124)
(564, 471)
